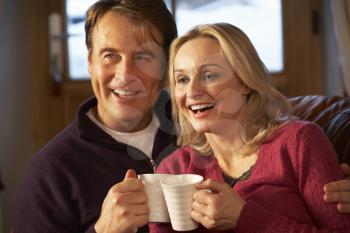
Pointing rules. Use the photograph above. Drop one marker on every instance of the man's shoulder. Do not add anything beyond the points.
(68, 141)
(60, 145)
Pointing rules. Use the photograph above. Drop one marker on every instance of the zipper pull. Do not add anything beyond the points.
(153, 165)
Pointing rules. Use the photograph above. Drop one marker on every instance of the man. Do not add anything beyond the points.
(77, 182)
(123, 127)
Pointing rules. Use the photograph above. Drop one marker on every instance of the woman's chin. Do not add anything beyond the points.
(202, 128)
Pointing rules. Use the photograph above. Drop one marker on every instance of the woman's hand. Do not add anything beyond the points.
(218, 208)
(339, 191)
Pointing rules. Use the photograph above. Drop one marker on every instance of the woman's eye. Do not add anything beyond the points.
(182, 79)
(209, 76)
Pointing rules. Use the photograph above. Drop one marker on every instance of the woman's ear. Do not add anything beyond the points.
(245, 89)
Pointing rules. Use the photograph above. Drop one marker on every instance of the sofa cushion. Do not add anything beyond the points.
(332, 113)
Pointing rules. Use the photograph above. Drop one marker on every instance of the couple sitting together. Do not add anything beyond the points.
(267, 171)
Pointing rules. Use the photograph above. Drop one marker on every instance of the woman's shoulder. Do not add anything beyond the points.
(295, 128)
(296, 134)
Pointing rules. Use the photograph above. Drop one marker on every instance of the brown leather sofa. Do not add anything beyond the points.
(332, 113)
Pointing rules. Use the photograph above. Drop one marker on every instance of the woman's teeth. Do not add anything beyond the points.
(201, 107)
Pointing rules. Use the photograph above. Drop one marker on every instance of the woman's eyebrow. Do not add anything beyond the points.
(209, 64)
(178, 70)
(201, 67)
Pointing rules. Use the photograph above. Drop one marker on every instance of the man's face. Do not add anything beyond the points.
(125, 73)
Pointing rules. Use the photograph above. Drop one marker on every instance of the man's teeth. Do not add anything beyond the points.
(201, 106)
(124, 92)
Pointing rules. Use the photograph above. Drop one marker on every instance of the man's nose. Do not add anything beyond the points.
(125, 71)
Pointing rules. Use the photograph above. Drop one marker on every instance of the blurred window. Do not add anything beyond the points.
(261, 20)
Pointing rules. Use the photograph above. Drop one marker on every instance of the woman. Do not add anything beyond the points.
(265, 169)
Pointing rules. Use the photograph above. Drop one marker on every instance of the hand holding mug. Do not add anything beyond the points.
(218, 209)
(125, 207)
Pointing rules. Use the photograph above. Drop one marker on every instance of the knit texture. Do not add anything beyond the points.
(284, 193)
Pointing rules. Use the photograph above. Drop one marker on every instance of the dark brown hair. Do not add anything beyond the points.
(147, 15)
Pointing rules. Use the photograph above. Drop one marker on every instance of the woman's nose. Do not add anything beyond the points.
(195, 89)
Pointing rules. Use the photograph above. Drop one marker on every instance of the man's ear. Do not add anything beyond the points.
(89, 61)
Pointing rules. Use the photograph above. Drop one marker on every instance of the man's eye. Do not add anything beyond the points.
(142, 58)
(108, 56)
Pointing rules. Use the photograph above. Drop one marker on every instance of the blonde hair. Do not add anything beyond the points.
(266, 108)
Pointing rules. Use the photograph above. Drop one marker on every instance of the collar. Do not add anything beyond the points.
(90, 131)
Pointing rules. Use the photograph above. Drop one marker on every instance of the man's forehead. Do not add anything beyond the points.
(142, 31)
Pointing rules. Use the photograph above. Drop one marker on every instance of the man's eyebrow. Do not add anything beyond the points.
(145, 52)
(107, 49)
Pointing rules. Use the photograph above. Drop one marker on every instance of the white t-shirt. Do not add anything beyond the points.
(142, 140)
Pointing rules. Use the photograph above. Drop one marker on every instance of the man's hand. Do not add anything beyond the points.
(339, 191)
(125, 207)
(218, 209)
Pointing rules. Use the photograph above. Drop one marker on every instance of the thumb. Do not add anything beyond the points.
(130, 174)
(214, 186)
(345, 169)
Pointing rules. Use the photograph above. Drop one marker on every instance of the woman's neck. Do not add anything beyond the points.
(227, 141)
(227, 150)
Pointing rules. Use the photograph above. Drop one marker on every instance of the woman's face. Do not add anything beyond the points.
(207, 91)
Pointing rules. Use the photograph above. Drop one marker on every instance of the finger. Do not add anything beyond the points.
(345, 169)
(131, 210)
(197, 216)
(203, 220)
(130, 198)
(214, 186)
(338, 186)
(199, 207)
(210, 208)
(203, 197)
(140, 209)
(128, 185)
(130, 174)
(336, 197)
(343, 208)
(208, 204)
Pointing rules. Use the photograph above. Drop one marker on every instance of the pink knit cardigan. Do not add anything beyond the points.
(284, 193)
